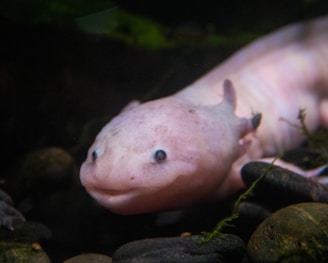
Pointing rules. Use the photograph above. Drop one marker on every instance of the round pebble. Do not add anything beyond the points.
(297, 233)
(228, 248)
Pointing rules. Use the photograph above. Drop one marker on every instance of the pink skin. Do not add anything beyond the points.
(205, 134)
(132, 181)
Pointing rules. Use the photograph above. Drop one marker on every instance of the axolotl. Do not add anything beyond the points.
(188, 148)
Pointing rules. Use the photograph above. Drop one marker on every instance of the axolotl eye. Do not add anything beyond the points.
(160, 155)
(94, 155)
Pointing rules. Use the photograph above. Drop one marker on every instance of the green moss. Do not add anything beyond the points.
(139, 31)
(297, 233)
(21, 253)
(316, 141)
(105, 18)
(217, 231)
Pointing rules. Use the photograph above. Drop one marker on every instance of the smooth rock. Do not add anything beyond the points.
(281, 187)
(89, 258)
(228, 248)
(9, 216)
(250, 216)
(297, 233)
(19, 253)
(27, 232)
(43, 172)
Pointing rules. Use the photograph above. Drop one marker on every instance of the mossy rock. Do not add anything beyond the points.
(297, 233)
(21, 253)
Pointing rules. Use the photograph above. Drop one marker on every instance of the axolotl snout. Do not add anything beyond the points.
(189, 147)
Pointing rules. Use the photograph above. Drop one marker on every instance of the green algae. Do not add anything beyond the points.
(225, 222)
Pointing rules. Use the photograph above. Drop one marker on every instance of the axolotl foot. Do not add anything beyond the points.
(316, 172)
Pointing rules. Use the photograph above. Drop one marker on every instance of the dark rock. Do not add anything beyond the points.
(17, 253)
(253, 211)
(4, 197)
(228, 248)
(306, 158)
(281, 187)
(250, 216)
(9, 216)
(90, 257)
(28, 232)
(46, 171)
(297, 233)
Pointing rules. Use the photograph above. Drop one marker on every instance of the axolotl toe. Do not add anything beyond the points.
(189, 147)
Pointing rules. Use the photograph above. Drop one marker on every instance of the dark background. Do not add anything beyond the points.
(54, 78)
(60, 84)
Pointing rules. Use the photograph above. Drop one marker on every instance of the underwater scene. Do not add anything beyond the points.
(119, 146)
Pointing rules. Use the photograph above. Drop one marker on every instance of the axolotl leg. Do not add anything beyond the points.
(296, 169)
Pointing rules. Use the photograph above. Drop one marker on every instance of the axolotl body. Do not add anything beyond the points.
(189, 147)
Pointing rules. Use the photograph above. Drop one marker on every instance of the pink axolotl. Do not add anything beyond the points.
(189, 147)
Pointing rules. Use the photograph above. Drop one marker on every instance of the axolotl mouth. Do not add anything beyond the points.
(111, 198)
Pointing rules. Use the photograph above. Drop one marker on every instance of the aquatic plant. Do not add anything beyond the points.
(316, 141)
(225, 222)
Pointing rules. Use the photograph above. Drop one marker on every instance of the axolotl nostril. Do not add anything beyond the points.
(189, 147)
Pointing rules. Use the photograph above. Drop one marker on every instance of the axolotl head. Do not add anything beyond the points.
(164, 154)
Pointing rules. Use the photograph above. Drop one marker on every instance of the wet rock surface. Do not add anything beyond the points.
(19, 252)
(297, 233)
(42, 172)
(88, 258)
(9, 216)
(28, 232)
(228, 248)
(281, 187)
